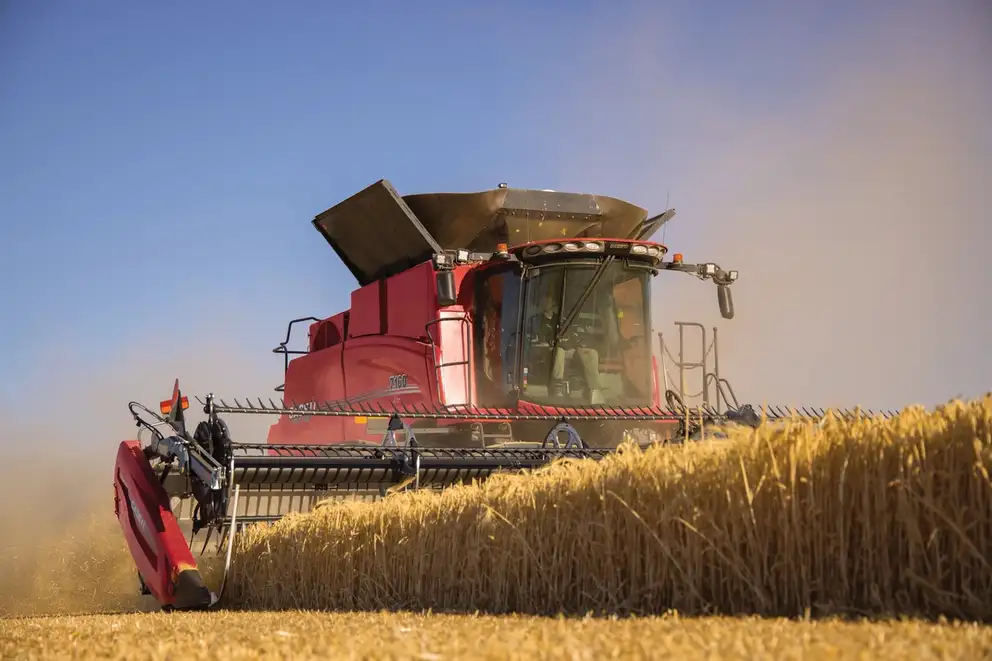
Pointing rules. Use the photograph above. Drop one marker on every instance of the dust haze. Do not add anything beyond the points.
(854, 207)
(63, 548)
(852, 193)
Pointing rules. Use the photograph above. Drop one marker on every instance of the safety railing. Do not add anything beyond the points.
(284, 349)
(465, 336)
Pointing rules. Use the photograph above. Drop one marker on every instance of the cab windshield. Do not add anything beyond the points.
(603, 356)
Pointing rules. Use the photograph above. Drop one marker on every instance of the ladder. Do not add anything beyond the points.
(723, 391)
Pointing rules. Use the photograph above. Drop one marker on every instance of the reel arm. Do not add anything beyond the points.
(191, 457)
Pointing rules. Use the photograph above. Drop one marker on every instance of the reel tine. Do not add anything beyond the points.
(206, 540)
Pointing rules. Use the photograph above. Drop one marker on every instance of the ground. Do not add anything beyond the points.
(344, 636)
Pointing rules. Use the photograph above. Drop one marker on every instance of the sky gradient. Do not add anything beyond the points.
(161, 165)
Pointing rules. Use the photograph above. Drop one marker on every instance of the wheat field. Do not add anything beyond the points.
(425, 637)
(888, 520)
(851, 517)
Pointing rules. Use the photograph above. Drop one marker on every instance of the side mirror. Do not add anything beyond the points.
(726, 300)
(446, 294)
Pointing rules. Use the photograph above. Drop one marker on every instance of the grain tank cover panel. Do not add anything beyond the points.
(480, 221)
(375, 233)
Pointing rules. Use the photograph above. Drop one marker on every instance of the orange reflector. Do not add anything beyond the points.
(677, 258)
(166, 406)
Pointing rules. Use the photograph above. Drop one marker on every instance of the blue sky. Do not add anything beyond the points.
(161, 163)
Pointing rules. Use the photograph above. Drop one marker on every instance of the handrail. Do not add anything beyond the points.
(286, 352)
(721, 393)
(466, 340)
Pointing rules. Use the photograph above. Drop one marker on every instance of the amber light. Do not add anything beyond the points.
(677, 258)
(501, 247)
(166, 406)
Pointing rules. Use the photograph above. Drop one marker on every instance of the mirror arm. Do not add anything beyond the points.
(722, 279)
(719, 276)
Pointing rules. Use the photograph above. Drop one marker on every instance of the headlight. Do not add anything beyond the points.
(639, 250)
(710, 269)
(653, 251)
(532, 250)
(552, 247)
(571, 247)
(592, 245)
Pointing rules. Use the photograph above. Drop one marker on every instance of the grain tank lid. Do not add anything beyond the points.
(480, 221)
(375, 233)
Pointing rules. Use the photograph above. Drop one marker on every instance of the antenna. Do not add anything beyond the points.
(664, 229)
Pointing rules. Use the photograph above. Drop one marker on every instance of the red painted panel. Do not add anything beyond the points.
(328, 332)
(365, 309)
(150, 529)
(340, 322)
(316, 377)
(462, 272)
(370, 362)
(411, 301)
(465, 279)
(453, 337)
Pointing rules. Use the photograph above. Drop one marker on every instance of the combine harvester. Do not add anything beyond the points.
(492, 331)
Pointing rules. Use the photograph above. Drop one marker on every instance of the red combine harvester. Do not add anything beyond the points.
(492, 331)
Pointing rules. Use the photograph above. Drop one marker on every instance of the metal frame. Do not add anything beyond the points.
(722, 386)
(286, 352)
(466, 339)
(551, 413)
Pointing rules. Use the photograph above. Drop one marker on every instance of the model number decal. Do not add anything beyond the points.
(304, 410)
(142, 524)
(397, 381)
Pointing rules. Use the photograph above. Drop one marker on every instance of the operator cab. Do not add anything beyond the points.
(562, 319)
(567, 323)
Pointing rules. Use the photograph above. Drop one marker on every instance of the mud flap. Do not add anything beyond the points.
(161, 554)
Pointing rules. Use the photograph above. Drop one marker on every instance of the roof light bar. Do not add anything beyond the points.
(652, 250)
